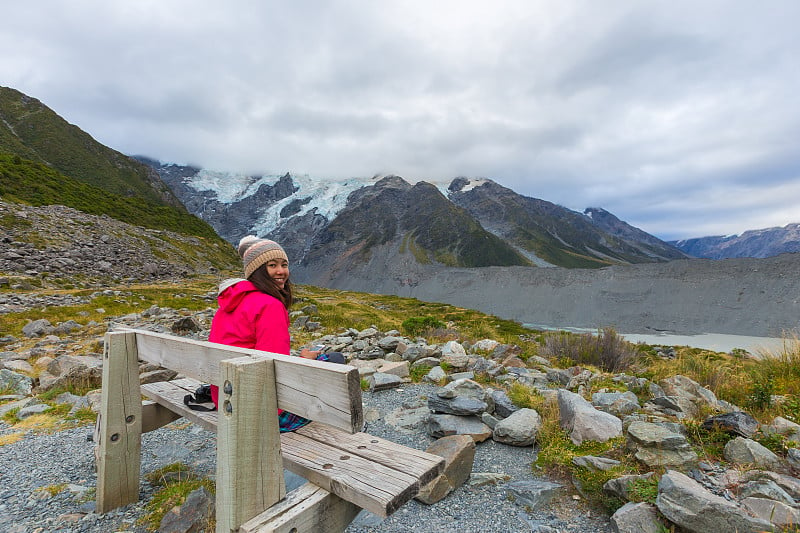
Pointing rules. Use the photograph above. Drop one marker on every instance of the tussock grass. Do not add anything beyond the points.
(175, 481)
(605, 350)
(11, 438)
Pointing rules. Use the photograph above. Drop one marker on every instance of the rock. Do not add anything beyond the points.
(480, 479)
(765, 488)
(779, 513)
(154, 376)
(186, 324)
(85, 370)
(658, 446)
(458, 452)
(444, 425)
(736, 423)
(462, 387)
(637, 518)
(692, 507)
(379, 381)
(485, 345)
(747, 451)
(595, 464)
(37, 328)
(691, 390)
(782, 426)
(519, 428)
(620, 487)
(583, 422)
(15, 383)
(460, 405)
(531, 494)
(399, 368)
(435, 375)
(18, 365)
(616, 403)
(793, 457)
(503, 406)
(30, 410)
(193, 516)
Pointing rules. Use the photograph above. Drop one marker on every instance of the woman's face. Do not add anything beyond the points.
(278, 270)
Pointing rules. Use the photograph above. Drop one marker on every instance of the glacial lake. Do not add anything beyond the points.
(718, 342)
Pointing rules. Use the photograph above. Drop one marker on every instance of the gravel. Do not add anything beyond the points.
(66, 457)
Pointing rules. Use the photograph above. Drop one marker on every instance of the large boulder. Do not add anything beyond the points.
(748, 452)
(658, 446)
(583, 422)
(519, 428)
(637, 518)
(458, 452)
(687, 504)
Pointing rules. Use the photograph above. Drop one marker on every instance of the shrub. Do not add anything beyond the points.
(606, 350)
(418, 325)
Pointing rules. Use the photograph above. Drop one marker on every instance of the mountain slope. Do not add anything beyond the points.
(753, 243)
(414, 219)
(33, 131)
(553, 234)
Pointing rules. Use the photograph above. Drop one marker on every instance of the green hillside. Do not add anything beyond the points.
(28, 182)
(33, 131)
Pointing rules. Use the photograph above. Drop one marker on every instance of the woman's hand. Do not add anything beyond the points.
(310, 354)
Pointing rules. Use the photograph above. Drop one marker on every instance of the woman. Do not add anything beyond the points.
(254, 312)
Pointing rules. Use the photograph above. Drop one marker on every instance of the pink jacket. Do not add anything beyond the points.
(249, 318)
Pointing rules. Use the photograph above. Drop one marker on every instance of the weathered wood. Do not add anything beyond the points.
(170, 394)
(249, 471)
(419, 464)
(396, 470)
(376, 488)
(327, 392)
(307, 509)
(155, 415)
(119, 427)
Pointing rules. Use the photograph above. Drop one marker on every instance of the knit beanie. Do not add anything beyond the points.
(256, 252)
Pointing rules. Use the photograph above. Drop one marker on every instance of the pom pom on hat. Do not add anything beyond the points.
(256, 252)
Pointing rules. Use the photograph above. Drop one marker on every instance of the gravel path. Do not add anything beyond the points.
(66, 457)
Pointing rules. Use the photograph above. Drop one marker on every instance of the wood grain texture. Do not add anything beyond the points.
(307, 509)
(328, 392)
(249, 469)
(119, 427)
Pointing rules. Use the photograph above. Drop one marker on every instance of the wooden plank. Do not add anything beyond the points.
(119, 427)
(249, 467)
(155, 416)
(372, 486)
(170, 394)
(318, 390)
(307, 509)
(423, 466)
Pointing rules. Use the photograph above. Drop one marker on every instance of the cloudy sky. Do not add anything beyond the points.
(681, 117)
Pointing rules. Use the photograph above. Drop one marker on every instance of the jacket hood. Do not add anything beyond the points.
(232, 292)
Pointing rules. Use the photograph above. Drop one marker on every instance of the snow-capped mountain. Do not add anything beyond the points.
(469, 222)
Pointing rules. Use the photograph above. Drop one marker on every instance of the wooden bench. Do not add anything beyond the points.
(347, 470)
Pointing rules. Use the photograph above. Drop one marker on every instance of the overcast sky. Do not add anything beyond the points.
(680, 117)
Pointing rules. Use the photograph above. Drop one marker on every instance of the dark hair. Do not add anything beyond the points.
(266, 284)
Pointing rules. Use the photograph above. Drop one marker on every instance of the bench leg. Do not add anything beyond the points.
(249, 464)
(119, 426)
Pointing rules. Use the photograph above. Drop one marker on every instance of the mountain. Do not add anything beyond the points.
(333, 226)
(553, 235)
(46, 161)
(754, 243)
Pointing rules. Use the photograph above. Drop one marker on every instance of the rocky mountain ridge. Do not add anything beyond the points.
(538, 232)
(753, 243)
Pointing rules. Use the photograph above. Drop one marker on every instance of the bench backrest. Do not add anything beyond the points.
(326, 392)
